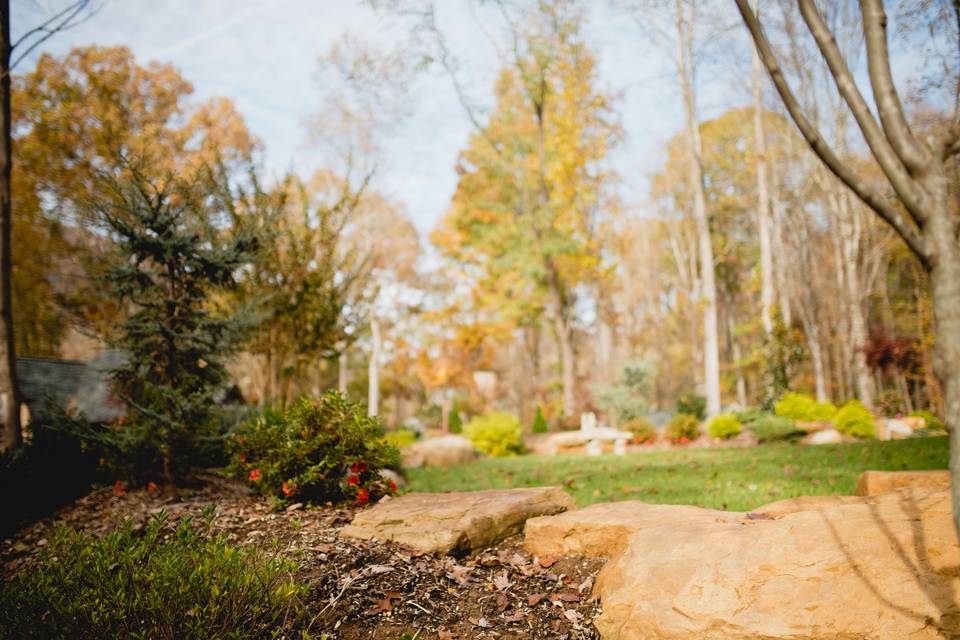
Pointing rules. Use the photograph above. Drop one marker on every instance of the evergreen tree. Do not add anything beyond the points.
(172, 259)
(539, 422)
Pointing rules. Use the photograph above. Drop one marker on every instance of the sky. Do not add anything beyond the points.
(264, 55)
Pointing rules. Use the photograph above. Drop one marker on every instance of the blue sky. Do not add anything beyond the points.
(264, 54)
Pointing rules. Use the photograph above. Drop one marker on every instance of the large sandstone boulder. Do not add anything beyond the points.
(438, 452)
(871, 483)
(456, 522)
(803, 503)
(604, 529)
(881, 567)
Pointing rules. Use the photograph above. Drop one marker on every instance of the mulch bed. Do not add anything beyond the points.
(362, 589)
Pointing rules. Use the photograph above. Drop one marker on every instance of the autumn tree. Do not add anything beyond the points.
(918, 163)
(533, 184)
(128, 110)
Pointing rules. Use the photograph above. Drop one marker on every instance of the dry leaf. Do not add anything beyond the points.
(502, 602)
(380, 606)
(586, 584)
(501, 581)
(443, 634)
(535, 598)
(546, 561)
(566, 597)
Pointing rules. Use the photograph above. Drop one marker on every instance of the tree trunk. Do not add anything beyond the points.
(9, 397)
(711, 340)
(343, 379)
(565, 349)
(373, 372)
(945, 282)
(763, 198)
(850, 239)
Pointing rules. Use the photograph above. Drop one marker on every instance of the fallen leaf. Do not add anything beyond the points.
(484, 623)
(461, 575)
(323, 548)
(377, 569)
(380, 606)
(572, 615)
(502, 602)
(546, 561)
(501, 581)
(586, 584)
(443, 634)
(535, 599)
(566, 597)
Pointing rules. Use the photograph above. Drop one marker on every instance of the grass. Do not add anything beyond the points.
(731, 479)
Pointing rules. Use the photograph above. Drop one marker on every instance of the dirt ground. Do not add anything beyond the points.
(363, 589)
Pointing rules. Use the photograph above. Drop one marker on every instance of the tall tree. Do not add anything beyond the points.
(533, 183)
(917, 166)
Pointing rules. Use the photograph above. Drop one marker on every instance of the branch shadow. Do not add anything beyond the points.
(936, 585)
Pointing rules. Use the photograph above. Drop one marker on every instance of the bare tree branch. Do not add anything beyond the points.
(66, 19)
(870, 197)
(914, 154)
(893, 167)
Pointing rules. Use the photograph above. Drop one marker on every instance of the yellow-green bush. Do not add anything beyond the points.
(804, 408)
(856, 420)
(496, 434)
(724, 427)
(683, 428)
(400, 438)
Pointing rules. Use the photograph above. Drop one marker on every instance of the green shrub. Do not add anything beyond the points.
(151, 584)
(400, 438)
(496, 434)
(931, 421)
(454, 422)
(692, 404)
(770, 428)
(683, 428)
(856, 420)
(804, 408)
(724, 427)
(642, 430)
(326, 449)
(539, 422)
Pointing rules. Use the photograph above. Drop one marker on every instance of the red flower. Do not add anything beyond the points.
(363, 496)
(392, 485)
(353, 479)
(255, 474)
(151, 487)
(118, 489)
(287, 489)
(684, 440)
(359, 467)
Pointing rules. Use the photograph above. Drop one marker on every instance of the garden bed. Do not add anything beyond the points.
(359, 589)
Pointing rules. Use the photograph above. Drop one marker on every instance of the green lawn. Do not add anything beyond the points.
(732, 479)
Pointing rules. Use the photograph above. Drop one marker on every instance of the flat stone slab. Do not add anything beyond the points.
(458, 522)
(875, 567)
(871, 483)
(438, 452)
(603, 530)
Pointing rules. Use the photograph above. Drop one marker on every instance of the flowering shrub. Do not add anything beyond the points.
(641, 429)
(804, 408)
(724, 427)
(683, 428)
(496, 434)
(325, 449)
(856, 420)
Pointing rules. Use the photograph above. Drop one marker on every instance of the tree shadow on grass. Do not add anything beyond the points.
(937, 586)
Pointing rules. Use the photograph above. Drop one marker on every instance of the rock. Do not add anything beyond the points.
(389, 475)
(604, 529)
(804, 503)
(897, 429)
(438, 452)
(812, 427)
(827, 436)
(592, 438)
(871, 483)
(456, 522)
(883, 567)
(914, 422)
